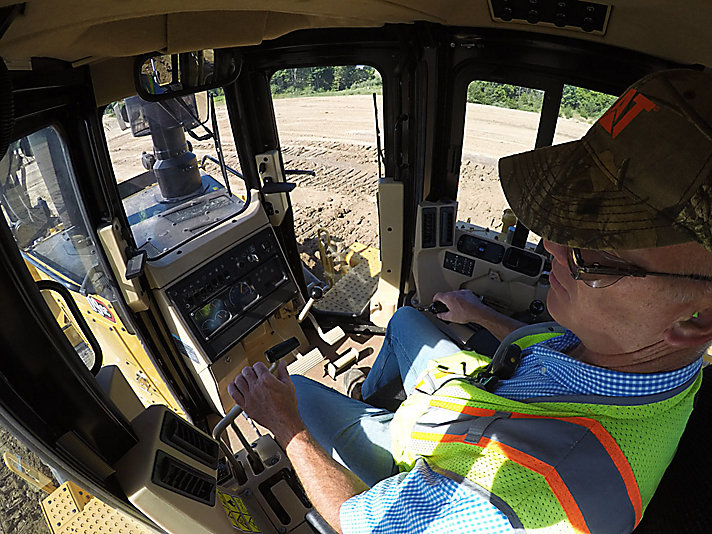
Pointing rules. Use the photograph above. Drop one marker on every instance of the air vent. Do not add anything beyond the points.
(447, 226)
(182, 479)
(188, 440)
(429, 227)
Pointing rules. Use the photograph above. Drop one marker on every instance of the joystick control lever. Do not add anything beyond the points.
(536, 308)
(273, 355)
(315, 293)
(435, 307)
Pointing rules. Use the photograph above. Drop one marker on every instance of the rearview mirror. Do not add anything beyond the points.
(158, 77)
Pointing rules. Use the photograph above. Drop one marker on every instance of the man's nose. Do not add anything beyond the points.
(556, 250)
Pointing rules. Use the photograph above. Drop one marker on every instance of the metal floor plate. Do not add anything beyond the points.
(71, 510)
(352, 293)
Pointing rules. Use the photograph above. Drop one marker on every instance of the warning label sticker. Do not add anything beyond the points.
(237, 513)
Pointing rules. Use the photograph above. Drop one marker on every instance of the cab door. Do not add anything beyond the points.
(44, 212)
(50, 398)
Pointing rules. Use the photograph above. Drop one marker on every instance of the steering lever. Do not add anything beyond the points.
(273, 355)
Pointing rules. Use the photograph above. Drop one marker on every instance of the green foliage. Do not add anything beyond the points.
(575, 101)
(344, 79)
(584, 102)
(218, 94)
(503, 95)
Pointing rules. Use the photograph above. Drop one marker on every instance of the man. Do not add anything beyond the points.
(576, 437)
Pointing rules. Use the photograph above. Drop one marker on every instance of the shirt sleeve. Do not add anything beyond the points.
(421, 501)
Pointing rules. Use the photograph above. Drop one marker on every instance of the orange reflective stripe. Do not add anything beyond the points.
(613, 450)
(596, 428)
(552, 477)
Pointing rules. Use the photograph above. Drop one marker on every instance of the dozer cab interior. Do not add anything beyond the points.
(150, 244)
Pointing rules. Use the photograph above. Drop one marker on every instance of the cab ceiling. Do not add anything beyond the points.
(81, 31)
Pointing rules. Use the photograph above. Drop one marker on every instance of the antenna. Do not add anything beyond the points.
(379, 156)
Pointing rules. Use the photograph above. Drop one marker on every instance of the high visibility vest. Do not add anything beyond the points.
(554, 464)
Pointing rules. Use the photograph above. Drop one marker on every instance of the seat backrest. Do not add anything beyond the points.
(682, 500)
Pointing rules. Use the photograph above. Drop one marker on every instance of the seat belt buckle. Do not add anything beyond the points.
(486, 381)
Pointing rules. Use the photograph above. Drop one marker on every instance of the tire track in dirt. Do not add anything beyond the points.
(341, 197)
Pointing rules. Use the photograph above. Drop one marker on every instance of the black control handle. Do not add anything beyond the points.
(280, 350)
(536, 308)
(438, 307)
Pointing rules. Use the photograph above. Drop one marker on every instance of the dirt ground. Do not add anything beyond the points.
(334, 137)
(20, 511)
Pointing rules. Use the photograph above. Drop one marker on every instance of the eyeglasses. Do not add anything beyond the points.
(597, 268)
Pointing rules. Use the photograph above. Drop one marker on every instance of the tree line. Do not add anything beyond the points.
(299, 81)
(575, 101)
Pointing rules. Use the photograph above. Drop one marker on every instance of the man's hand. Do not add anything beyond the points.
(466, 307)
(270, 400)
(463, 306)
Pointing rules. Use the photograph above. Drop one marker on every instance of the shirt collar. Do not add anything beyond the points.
(586, 379)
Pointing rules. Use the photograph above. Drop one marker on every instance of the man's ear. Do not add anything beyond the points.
(693, 332)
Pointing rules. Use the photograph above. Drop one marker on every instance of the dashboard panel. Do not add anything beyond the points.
(222, 301)
(464, 256)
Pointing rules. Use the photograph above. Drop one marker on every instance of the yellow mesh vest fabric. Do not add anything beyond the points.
(647, 435)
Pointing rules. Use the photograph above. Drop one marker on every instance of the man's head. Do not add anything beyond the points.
(638, 185)
(633, 313)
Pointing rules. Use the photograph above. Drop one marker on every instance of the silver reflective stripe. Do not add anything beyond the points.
(577, 455)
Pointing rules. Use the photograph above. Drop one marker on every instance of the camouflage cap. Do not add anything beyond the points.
(641, 177)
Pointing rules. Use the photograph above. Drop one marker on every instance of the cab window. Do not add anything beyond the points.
(41, 205)
(580, 108)
(166, 160)
(327, 133)
(500, 119)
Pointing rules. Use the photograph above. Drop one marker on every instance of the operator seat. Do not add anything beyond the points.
(681, 502)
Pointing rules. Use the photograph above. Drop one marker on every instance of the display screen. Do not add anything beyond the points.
(212, 316)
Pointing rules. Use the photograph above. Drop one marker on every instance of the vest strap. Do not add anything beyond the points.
(479, 426)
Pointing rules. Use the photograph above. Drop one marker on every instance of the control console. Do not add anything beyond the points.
(465, 256)
(513, 258)
(224, 300)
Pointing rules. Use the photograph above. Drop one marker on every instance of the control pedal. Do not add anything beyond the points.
(305, 362)
(332, 337)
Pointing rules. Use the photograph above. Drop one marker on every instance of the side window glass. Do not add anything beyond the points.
(500, 119)
(41, 205)
(579, 109)
(41, 208)
(327, 133)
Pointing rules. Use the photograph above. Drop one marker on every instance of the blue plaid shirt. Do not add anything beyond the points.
(422, 501)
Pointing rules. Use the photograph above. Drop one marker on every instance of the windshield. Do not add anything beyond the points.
(166, 159)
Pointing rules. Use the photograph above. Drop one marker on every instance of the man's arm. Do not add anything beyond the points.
(465, 307)
(272, 402)
(328, 484)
